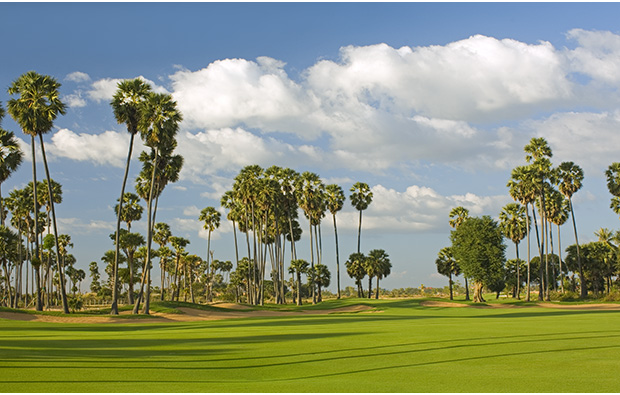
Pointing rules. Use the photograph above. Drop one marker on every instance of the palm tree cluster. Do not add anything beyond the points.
(374, 265)
(264, 204)
(156, 117)
(548, 191)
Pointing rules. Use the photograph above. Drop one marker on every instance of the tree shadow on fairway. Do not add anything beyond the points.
(33, 349)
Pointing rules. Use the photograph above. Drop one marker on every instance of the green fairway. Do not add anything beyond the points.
(405, 347)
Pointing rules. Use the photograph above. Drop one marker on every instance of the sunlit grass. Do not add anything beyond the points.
(406, 347)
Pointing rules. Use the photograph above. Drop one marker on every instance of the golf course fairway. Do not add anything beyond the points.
(395, 346)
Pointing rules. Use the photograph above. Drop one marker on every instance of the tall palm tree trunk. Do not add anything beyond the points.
(337, 256)
(560, 258)
(518, 272)
(584, 288)
(527, 220)
(114, 307)
(39, 306)
(61, 276)
(359, 233)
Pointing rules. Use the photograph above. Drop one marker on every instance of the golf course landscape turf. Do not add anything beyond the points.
(408, 345)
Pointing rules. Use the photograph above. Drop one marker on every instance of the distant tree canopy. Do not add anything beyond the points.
(478, 246)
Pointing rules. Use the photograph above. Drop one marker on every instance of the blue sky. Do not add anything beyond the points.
(429, 103)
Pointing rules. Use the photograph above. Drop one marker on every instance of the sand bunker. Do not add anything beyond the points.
(189, 314)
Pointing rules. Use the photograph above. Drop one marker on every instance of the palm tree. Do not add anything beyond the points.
(335, 202)
(356, 270)
(229, 202)
(310, 199)
(378, 265)
(11, 157)
(522, 188)
(35, 110)
(179, 244)
(126, 104)
(559, 210)
(322, 278)
(457, 216)
(158, 126)
(513, 223)
(298, 266)
(361, 197)
(8, 252)
(571, 177)
(161, 236)
(132, 210)
(211, 218)
(447, 266)
(538, 153)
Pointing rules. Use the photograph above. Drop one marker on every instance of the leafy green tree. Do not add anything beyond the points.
(447, 266)
(478, 246)
(361, 197)
(35, 110)
(513, 223)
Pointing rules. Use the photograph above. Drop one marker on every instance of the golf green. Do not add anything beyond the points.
(402, 346)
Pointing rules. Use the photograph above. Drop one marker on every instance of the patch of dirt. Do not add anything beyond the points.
(189, 315)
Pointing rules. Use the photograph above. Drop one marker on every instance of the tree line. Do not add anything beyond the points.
(263, 205)
(478, 250)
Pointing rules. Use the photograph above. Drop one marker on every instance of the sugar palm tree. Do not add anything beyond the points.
(356, 270)
(570, 178)
(457, 216)
(158, 126)
(378, 265)
(211, 219)
(126, 105)
(161, 236)
(322, 278)
(335, 202)
(538, 154)
(178, 244)
(522, 188)
(310, 198)
(35, 110)
(131, 209)
(447, 266)
(514, 223)
(558, 208)
(11, 157)
(361, 197)
(298, 266)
